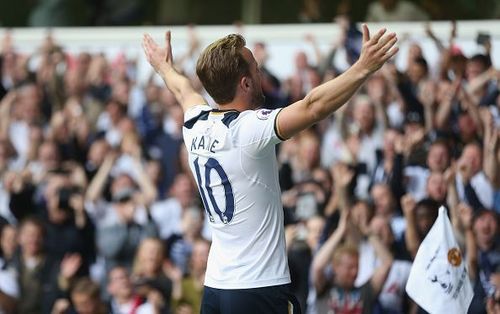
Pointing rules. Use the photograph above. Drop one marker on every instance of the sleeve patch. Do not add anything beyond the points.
(263, 114)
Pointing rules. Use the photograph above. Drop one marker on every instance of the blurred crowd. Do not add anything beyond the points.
(100, 214)
(58, 13)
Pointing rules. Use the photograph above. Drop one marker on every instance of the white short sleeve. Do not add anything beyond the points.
(256, 129)
(8, 282)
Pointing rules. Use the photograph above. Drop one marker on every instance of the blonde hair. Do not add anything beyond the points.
(345, 249)
(221, 65)
(137, 267)
(85, 286)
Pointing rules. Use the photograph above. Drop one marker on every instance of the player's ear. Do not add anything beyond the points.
(245, 83)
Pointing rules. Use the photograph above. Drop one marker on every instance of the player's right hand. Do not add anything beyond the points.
(376, 50)
(160, 58)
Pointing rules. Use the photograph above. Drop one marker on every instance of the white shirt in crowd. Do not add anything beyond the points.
(8, 282)
(481, 186)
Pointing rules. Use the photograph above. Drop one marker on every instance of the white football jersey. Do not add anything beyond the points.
(232, 157)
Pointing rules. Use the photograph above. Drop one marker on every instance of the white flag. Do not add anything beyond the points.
(438, 280)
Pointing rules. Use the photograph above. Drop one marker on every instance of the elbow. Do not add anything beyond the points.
(388, 261)
(440, 122)
(412, 247)
(317, 270)
(90, 197)
(315, 108)
(316, 278)
(150, 197)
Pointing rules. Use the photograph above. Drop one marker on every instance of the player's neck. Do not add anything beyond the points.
(238, 106)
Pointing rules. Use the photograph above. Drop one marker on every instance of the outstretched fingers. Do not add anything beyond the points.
(168, 36)
(366, 33)
(168, 46)
(378, 35)
(384, 40)
(390, 53)
(387, 43)
(145, 43)
(145, 47)
(149, 42)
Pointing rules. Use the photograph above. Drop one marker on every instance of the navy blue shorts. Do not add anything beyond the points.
(265, 300)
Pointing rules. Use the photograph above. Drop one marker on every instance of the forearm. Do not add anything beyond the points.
(80, 220)
(472, 109)
(177, 83)
(435, 40)
(4, 120)
(324, 256)
(7, 302)
(429, 118)
(381, 114)
(471, 251)
(411, 237)
(452, 201)
(480, 81)
(443, 114)
(176, 291)
(32, 151)
(380, 275)
(96, 186)
(490, 166)
(343, 198)
(381, 250)
(328, 97)
(332, 205)
(146, 185)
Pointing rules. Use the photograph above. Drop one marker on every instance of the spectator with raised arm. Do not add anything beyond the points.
(180, 244)
(339, 293)
(473, 185)
(167, 214)
(480, 230)
(188, 290)
(437, 159)
(128, 181)
(366, 137)
(124, 297)
(491, 154)
(148, 276)
(420, 217)
(9, 286)
(118, 237)
(42, 278)
(390, 163)
(386, 206)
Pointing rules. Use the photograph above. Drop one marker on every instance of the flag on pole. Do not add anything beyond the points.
(439, 282)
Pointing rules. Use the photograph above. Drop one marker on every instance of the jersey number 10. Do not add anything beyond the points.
(213, 164)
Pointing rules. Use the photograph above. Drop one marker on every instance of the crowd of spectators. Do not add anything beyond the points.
(62, 13)
(100, 214)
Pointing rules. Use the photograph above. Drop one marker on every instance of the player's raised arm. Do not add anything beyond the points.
(328, 97)
(162, 61)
